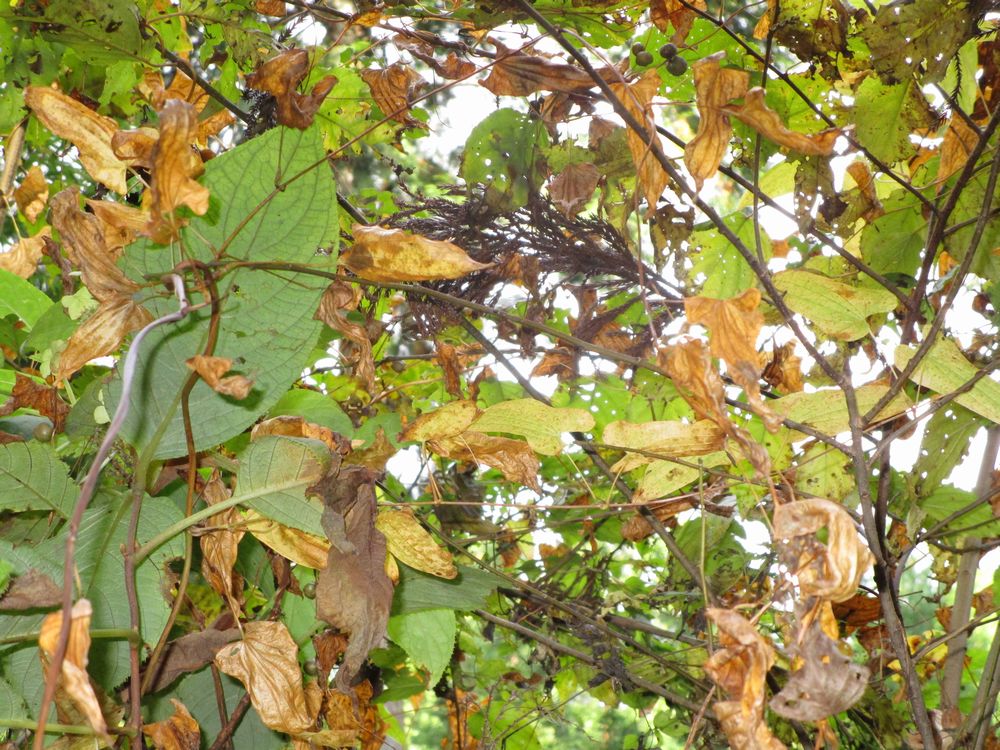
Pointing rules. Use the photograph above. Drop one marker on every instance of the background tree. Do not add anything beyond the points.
(662, 412)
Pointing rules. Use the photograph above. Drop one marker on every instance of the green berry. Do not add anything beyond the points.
(638, 47)
(678, 66)
(643, 59)
(42, 432)
(668, 51)
(309, 590)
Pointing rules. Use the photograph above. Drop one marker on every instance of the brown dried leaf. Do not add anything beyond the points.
(179, 732)
(561, 362)
(690, 367)
(298, 546)
(362, 723)
(120, 224)
(212, 124)
(515, 459)
(31, 589)
(413, 545)
(859, 610)
(22, 259)
(393, 89)
(380, 254)
(353, 592)
(102, 333)
(376, 455)
(763, 27)
(211, 370)
(573, 188)
(447, 357)
(32, 194)
(715, 87)
(73, 676)
(959, 141)
(274, 8)
(288, 426)
(667, 13)
(745, 731)
(90, 132)
(516, 73)
(189, 653)
(280, 76)
(176, 164)
(266, 662)
(865, 181)
(784, 370)
(341, 297)
(637, 98)
(220, 546)
(45, 399)
(135, 147)
(755, 113)
(831, 571)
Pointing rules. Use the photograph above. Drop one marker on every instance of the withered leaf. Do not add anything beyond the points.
(515, 459)
(353, 592)
(411, 544)
(289, 426)
(393, 89)
(376, 455)
(361, 723)
(22, 259)
(274, 8)
(32, 194)
(298, 546)
(667, 438)
(73, 678)
(667, 13)
(90, 132)
(755, 113)
(690, 367)
(784, 370)
(637, 99)
(211, 370)
(453, 67)
(341, 297)
(31, 590)
(830, 571)
(135, 147)
(447, 357)
(380, 254)
(562, 362)
(715, 87)
(573, 188)
(179, 732)
(220, 545)
(280, 76)
(175, 164)
(517, 73)
(189, 653)
(120, 224)
(959, 141)
(102, 333)
(266, 662)
(45, 399)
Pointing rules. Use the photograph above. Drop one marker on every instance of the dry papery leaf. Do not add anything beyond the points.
(865, 181)
(101, 334)
(22, 259)
(274, 8)
(211, 370)
(452, 68)
(515, 459)
(516, 73)
(266, 662)
(959, 141)
(690, 367)
(31, 589)
(280, 76)
(179, 732)
(393, 89)
(715, 87)
(298, 546)
(667, 13)
(356, 716)
(413, 545)
(573, 188)
(829, 571)
(784, 369)
(90, 132)
(220, 545)
(376, 455)
(73, 678)
(447, 357)
(637, 98)
(380, 254)
(32, 194)
(120, 224)
(175, 164)
(45, 399)
(135, 147)
(288, 426)
(755, 113)
(341, 297)
(740, 668)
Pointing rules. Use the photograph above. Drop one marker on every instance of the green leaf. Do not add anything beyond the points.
(945, 369)
(504, 152)
(428, 636)
(945, 442)
(887, 114)
(664, 478)
(824, 472)
(979, 521)
(541, 425)
(267, 326)
(275, 471)
(316, 407)
(827, 412)
(19, 298)
(840, 310)
(726, 273)
(12, 706)
(418, 591)
(893, 242)
(32, 478)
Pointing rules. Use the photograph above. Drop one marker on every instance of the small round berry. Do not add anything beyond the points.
(668, 51)
(678, 66)
(309, 590)
(643, 59)
(310, 667)
(42, 432)
(638, 47)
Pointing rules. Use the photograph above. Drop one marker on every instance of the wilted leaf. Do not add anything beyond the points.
(667, 13)
(190, 653)
(220, 545)
(135, 147)
(211, 370)
(289, 426)
(355, 717)
(690, 367)
(374, 456)
(280, 76)
(22, 259)
(176, 164)
(784, 370)
(266, 662)
(840, 310)
(45, 399)
(945, 369)
(755, 113)
(832, 570)
(274, 8)
(353, 592)
(301, 547)
(573, 188)
(637, 99)
(453, 67)
(447, 358)
(515, 459)
(413, 545)
(32, 194)
(393, 89)
(90, 132)
(380, 254)
(540, 424)
(715, 87)
(341, 297)
(73, 678)
(674, 438)
(32, 589)
(102, 333)
(959, 141)
(449, 420)
(120, 223)
(179, 732)
(516, 73)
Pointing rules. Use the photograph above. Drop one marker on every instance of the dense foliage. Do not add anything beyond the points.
(651, 404)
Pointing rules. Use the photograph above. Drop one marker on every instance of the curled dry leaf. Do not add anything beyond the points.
(865, 181)
(211, 370)
(637, 98)
(32, 194)
(298, 546)
(102, 333)
(690, 367)
(680, 15)
(280, 76)
(755, 113)
(674, 439)
(784, 369)
(31, 589)
(516, 73)
(959, 141)
(90, 132)
(179, 732)
(288, 426)
(274, 8)
(715, 87)
(515, 459)
(266, 662)
(120, 224)
(176, 164)
(45, 399)
(447, 357)
(380, 254)
(135, 147)
(341, 297)
(220, 545)
(376, 455)
(452, 67)
(22, 259)
(393, 89)
(830, 571)
(573, 188)
(355, 714)
(413, 545)
(73, 678)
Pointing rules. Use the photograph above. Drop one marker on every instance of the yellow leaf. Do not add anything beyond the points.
(298, 546)
(32, 194)
(179, 732)
(90, 132)
(715, 87)
(514, 458)
(380, 254)
(102, 333)
(540, 424)
(22, 259)
(637, 99)
(945, 369)
(411, 544)
(450, 420)
(840, 310)
(826, 410)
(674, 438)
